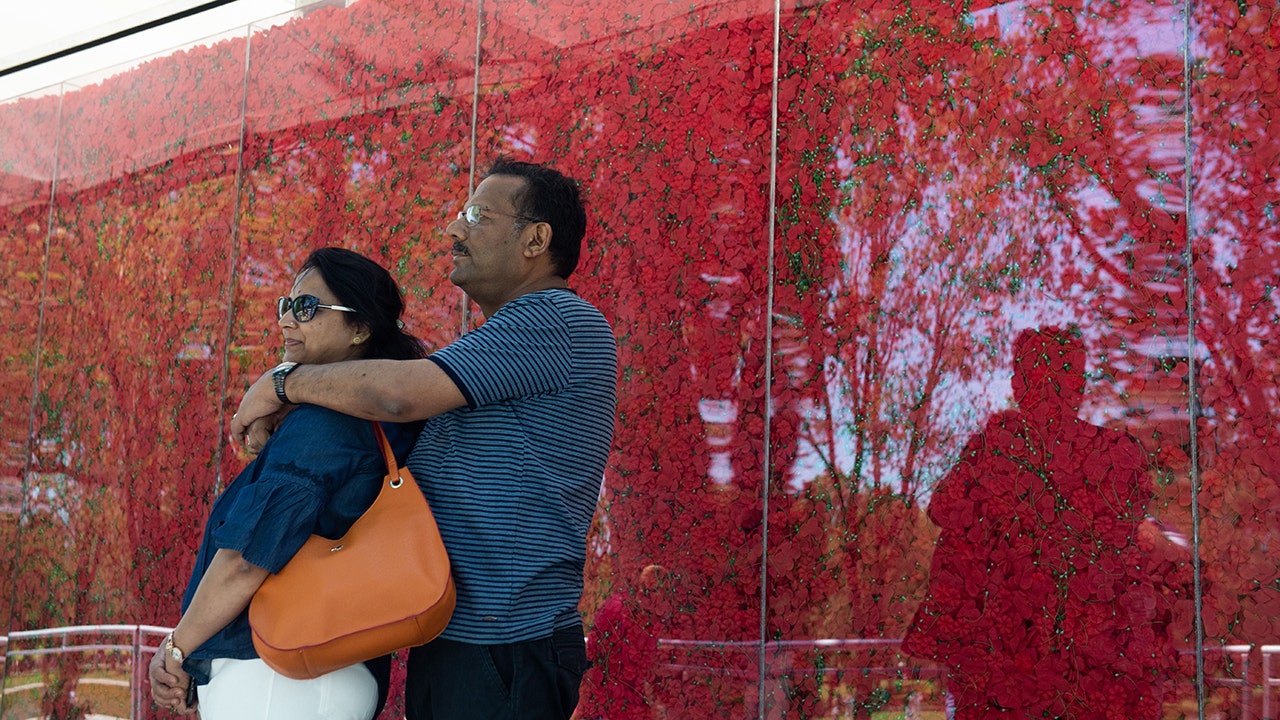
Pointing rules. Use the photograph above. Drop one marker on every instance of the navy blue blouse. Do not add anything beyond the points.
(317, 474)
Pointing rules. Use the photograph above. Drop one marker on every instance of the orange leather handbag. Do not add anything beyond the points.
(382, 587)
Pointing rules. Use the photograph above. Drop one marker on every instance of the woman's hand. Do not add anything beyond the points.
(261, 430)
(169, 684)
(224, 591)
(259, 402)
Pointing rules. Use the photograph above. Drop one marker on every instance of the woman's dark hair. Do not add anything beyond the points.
(554, 198)
(367, 287)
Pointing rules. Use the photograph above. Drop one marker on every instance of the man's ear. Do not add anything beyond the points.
(537, 239)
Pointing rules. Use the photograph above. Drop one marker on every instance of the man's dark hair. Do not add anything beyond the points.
(553, 198)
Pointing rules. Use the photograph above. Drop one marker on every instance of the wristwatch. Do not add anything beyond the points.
(172, 650)
(278, 375)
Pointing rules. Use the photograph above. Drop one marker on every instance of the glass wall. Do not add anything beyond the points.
(948, 339)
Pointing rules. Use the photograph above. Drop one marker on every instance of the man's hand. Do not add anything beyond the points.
(259, 401)
(169, 685)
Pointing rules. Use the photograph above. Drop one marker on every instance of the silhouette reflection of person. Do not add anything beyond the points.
(1038, 602)
(623, 648)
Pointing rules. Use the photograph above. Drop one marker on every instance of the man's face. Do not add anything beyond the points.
(488, 254)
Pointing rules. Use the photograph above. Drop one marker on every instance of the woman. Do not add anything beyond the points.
(317, 474)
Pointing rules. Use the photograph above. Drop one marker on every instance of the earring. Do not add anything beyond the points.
(357, 340)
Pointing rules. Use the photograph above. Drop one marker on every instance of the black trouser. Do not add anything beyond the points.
(533, 680)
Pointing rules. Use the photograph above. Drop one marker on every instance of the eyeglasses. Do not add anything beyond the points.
(475, 213)
(304, 307)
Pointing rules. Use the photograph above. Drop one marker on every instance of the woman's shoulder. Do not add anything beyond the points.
(309, 426)
(311, 421)
(317, 416)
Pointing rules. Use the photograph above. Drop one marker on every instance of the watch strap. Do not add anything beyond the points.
(278, 376)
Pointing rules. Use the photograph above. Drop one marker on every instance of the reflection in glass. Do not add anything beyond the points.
(1041, 601)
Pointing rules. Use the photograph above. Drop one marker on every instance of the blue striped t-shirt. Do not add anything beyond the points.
(513, 478)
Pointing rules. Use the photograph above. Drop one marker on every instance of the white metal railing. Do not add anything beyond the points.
(138, 642)
(776, 654)
(1270, 682)
(1240, 655)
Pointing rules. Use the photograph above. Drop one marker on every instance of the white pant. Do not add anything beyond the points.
(249, 690)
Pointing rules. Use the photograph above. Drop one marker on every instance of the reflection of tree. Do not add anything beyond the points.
(945, 196)
(1237, 260)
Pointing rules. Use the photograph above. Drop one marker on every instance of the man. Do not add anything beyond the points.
(623, 648)
(519, 421)
(1040, 600)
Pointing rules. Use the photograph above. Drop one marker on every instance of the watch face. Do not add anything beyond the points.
(177, 654)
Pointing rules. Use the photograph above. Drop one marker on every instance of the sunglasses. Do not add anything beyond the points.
(475, 213)
(304, 307)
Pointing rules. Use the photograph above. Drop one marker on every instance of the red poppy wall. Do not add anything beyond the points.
(949, 337)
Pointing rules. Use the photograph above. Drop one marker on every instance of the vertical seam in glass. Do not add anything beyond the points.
(233, 262)
(771, 278)
(465, 318)
(475, 95)
(35, 380)
(1193, 405)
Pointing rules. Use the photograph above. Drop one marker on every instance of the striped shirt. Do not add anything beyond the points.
(513, 478)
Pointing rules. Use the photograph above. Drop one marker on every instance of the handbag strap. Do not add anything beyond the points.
(393, 468)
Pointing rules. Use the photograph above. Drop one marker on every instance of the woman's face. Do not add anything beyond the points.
(327, 337)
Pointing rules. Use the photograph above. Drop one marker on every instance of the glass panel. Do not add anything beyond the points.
(1236, 209)
(952, 513)
(26, 173)
(963, 501)
(358, 129)
(127, 421)
(662, 111)
(358, 126)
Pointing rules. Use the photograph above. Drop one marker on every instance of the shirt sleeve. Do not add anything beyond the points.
(524, 349)
(314, 455)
